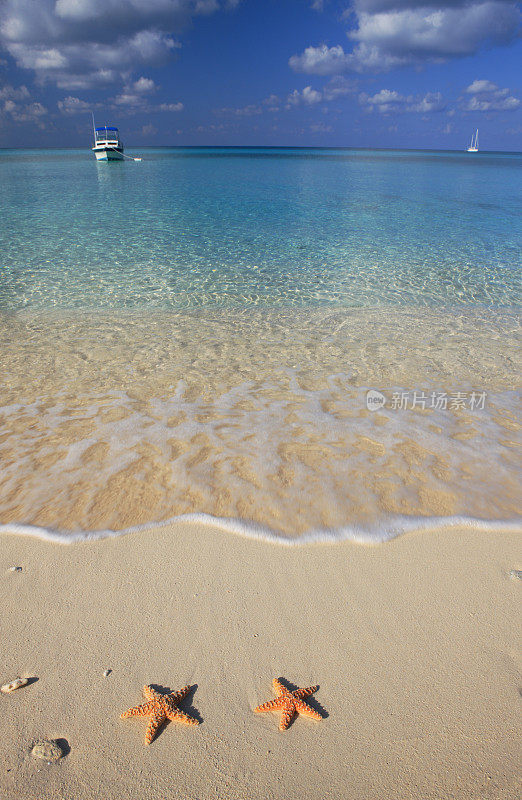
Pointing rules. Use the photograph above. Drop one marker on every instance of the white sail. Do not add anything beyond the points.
(473, 148)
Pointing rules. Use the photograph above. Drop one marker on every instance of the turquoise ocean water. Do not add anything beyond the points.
(266, 227)
(198, 331)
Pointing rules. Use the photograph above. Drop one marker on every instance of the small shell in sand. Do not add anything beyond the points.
(12, 685)
(48, 750)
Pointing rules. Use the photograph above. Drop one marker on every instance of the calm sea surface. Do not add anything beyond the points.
(197, 333)
(187, 228)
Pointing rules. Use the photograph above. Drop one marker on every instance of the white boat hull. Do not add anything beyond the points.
(108, 154)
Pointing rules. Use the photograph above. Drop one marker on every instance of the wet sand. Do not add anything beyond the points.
(413, 645)
(125, 418)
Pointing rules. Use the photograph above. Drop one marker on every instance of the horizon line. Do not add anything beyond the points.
(272, 147)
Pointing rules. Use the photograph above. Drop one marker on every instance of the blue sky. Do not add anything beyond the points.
(375, 73)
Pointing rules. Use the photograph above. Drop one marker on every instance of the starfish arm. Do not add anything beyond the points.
(279, 688)
(179, 716)
(286, 716)
(304, 708)
(300, 693)
(150, 694)
(177, 696)
(270, 705)
(139, 711)
(153, 726)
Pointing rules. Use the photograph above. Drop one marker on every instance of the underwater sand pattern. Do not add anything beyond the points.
(118, 420)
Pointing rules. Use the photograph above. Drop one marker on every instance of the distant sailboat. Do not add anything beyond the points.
(473, 148)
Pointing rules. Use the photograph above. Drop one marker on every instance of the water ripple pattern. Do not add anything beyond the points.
(196, 334)
(238, 228)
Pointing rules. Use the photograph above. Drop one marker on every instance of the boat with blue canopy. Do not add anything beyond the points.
(107, 144)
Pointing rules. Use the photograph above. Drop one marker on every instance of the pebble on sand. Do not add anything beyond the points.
(12, 685)
(15, 569)
(47, 750)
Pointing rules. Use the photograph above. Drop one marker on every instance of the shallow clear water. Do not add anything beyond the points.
(240, 228)
(197, 333)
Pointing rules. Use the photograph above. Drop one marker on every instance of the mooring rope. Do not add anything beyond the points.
(131, 158)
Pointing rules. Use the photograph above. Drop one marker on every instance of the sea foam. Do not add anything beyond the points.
(371, 535)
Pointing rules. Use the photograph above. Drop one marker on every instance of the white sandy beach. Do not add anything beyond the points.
(413, 644)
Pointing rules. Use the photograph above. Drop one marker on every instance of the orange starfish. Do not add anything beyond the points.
(160, 707)
(289, 702)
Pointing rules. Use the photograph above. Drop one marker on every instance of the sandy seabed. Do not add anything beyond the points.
(111, 420)
(412, 642)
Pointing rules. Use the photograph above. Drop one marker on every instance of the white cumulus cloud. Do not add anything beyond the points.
(8, 92)
(479, 86)
(144, 85)
(487, 96)
(81, 43)
(307, 96)
(73, 105)
(389, 101)
(322, 60)
(16, 109)
(392, 33)
(134, 94)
